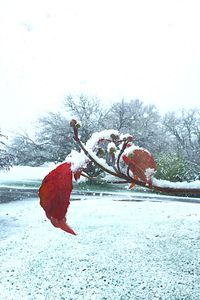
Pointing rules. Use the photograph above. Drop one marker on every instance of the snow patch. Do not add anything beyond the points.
(20, 173)
(149, 172)
(176, 185)
(101, 135)
(78, 160)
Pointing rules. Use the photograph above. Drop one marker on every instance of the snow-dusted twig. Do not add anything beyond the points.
(151, 183)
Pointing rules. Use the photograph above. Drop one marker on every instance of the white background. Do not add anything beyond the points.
(110, 49)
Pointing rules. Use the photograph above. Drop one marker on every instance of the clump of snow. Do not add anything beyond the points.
(78, 160)
(101, 161)
(125, 136)
(176, 185)
(132, 148)
(101, 135)
(148, 173)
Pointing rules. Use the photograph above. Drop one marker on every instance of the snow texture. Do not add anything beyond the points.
(79, 160)
(21, 173)
(124, 250)
(176, 185)
(149, 172)
(132, 148)
(101, 135)
(125, 136)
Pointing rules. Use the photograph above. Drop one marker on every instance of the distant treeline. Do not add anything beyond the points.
(173, 139)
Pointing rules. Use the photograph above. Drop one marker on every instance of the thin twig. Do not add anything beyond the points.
(119, 156)
(127, 178)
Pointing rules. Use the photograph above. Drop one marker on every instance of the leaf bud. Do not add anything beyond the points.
(112, 150)
(130, 156)
(100, 152)
(114, 137)
(73, 123)
(128, 139)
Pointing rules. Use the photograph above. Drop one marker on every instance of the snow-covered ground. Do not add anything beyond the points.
(19, 174)
(132, 249)
(123, 250)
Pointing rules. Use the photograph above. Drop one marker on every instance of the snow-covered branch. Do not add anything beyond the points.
(132, 164)
(117, 156)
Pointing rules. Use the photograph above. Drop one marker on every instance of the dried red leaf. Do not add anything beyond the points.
(54, 195)
(132, 185)
(77, 175)
(62, 225)
(139, 162)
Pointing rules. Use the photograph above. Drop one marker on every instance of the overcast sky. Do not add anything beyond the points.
(146, 49)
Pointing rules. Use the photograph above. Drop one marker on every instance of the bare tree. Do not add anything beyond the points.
(118, 116)
(88, 111)
(142, 121)
(54, 130)
(51, 142)
(184, 129)
(26, 151)
(6, 158)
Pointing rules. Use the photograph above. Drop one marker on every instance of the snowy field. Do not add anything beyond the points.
(129, 245)
(24, 175)
(123, 250)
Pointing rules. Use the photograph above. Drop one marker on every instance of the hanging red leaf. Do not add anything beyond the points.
(141, 163)
(132, 185)
(77, 175)
(54, 195)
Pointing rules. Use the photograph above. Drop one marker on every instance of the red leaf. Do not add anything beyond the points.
(54, 195)
(139, 162)
(77, 175)
(132, 185)
(62, 225)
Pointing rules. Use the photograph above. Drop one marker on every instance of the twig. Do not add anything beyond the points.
(127, 178)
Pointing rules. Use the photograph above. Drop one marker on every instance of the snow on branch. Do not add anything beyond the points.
(133, 164)
(118, 158)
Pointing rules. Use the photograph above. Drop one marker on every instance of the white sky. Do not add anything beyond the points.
(146, 49)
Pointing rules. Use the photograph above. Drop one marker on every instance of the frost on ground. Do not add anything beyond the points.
(124, 250)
